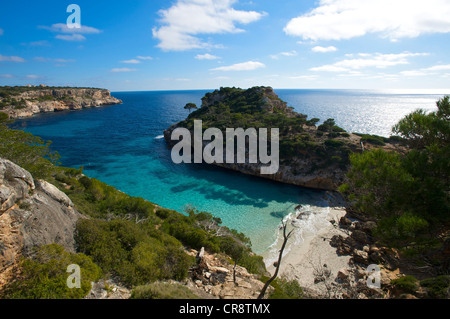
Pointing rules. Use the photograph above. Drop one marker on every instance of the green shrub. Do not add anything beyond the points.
(400, 230)
(327, 126)
(334, 143)
(45, 275)
(409, 225)
(285, 289)
(136, 253)
(162, 290)
(97, 199)
(344, 188)
(253, 263)
(437, 287)
(407, 284)
(28, 151)
(373, 139)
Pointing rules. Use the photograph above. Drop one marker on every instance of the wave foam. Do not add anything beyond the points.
(304, 223)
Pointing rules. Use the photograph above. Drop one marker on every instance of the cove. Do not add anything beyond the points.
(121, 145)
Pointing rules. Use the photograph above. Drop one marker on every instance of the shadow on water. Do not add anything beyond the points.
(279, 215)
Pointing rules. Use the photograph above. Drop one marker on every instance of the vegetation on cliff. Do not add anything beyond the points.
(10, 91)
(260, 107)
(25, 101)
(26, 150)
(311, 155)
(45, 277)
(408, 193)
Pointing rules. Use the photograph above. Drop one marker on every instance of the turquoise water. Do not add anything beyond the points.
(122, 145)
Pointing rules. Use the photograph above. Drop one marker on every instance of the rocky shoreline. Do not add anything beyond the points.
(321, 178)
(31, 102)
(336, 262)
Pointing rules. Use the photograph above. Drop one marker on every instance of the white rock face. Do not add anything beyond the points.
(54, 192)
(15, 183)
(32, 213)
(59, 100)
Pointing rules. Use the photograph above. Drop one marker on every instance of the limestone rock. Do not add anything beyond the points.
(15, 183)
(343, 274)
(64, 99)
(54, 192)
(360, 237)
(217, 281)
(32, 216)
(361, 257)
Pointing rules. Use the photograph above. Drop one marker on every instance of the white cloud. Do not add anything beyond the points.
(42, 59)
(329, 68)
(368, 60)
(33, 76)
(304, 77)
(244, 66)
(206, 56)
(63, 28)
(4, 58)
(6, 76)
(71, 37)
(186, 19)
(122, 70)
(277, 56)
(433, 70)
(413, 73)
(70, 34)
(1, 31)
(140, 57)
(441, 67)
(43, 43)
(132, 61)
(345, 19)
(320, 49)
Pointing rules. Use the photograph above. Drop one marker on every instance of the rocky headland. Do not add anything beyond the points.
(20, 103)
(310, 156)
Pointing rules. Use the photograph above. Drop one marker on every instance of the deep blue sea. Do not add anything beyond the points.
(122, 145)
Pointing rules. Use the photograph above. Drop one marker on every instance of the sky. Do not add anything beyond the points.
(144, 45)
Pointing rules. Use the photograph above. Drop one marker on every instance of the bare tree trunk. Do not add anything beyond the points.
(234, 272)
(277, 266)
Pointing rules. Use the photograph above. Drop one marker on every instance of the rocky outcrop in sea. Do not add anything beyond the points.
(304, 170)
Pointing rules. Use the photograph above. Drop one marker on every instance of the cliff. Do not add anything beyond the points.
(32, 213)
(310, 156)
(26, 102)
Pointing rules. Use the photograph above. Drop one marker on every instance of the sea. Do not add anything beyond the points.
(123, 145)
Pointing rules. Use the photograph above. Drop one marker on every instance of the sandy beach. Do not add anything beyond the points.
(308, 253)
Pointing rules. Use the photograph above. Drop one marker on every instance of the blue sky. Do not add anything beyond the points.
(204, 44)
